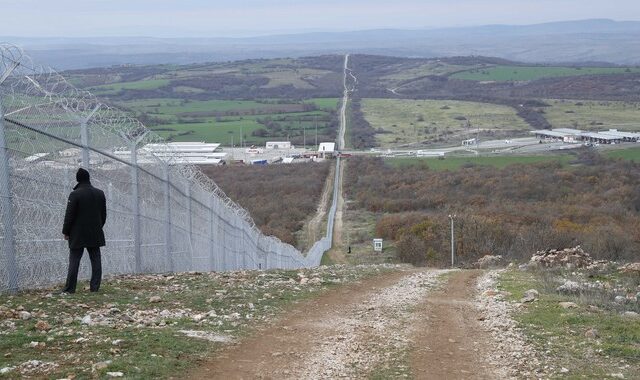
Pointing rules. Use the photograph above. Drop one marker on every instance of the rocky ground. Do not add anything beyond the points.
(371, 321)
(509, 349)
(150, 326)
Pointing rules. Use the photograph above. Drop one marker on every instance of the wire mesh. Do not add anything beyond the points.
(163, 215)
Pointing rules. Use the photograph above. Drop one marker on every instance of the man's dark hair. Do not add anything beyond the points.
(82, 175)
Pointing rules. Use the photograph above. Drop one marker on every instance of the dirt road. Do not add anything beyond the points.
(448, 342)
(406, 323)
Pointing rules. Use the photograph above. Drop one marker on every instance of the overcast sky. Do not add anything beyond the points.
(213, 18)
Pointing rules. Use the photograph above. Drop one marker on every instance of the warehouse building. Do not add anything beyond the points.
(568, 135)
(197, 153)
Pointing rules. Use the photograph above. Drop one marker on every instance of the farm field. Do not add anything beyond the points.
(631, 154)
(593, 115)
(454, 163)
(147, 84)
(525, 73)
(223, 121)
(403, 121)
(429, 68)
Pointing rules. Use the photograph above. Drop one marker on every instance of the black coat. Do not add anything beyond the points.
(85, 216)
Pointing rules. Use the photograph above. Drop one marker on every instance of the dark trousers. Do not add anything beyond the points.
(75, 255)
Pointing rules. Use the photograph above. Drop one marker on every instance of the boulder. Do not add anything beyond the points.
(530, 296)
(570, 258)
(43, 326)
(569, 287)
(592, 334)
(568, 305)
(631, 268)
(489, 261)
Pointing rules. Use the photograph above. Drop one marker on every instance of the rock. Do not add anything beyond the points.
(617, 375)
(116, 342)
(489, 293)
(489, 261)
(591, 334)
(115, 374)
(67, 321)
(568, 305)
(620, 299)
(631, 314)
(101, 365)
(569, 287)
(564, 370)
(565, 258)
(43, 326)
(87, 320)
(631, 268)
(24, 315)
(38, 345)
(530, 296)
(155, 299)
(5, 370)
(198, 317)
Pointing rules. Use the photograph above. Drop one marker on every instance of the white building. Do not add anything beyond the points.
(197, 153)
(327, 148)
(278, 145)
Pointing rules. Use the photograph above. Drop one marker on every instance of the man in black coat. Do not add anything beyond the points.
(83, 222)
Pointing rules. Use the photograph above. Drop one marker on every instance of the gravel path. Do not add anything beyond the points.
(508, 350)
(418, 323)
(349, 332)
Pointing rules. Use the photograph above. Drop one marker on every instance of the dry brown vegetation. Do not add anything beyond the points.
(513, 211)
(279, 197)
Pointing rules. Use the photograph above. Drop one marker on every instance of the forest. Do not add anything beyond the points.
(513, 211)
(280, 198)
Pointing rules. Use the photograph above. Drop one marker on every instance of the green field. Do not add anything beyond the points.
(631, 154)
(593, 115)
(454, 163)
(222, 121)
(402, 121)
(431, 68)
(296, 78)
(523, 73)
(146, 84)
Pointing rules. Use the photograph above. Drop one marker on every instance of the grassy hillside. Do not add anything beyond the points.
(525, 73)
(593, 115)
(403, 121)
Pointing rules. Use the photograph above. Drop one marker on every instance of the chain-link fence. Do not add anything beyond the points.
(163, 215)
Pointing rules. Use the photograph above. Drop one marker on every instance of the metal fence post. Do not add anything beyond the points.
(137, 243)
(189, 222)
(9, 241)
(212, 239)
(84, 137)
(236, 248)
(167, 218)
(223, 239)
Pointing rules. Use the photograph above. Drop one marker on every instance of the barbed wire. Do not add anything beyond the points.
(50, 127)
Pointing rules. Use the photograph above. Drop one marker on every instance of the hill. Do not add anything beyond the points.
(570, 41)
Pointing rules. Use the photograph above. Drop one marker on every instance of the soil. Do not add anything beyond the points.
(448, 342)
(353, 331)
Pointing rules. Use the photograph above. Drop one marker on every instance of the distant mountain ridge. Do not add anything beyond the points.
(599, 40)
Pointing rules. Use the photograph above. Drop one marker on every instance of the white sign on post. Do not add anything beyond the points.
(377, 245)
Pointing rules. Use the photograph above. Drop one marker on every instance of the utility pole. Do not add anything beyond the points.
(304, 136)
(453, 249)
(315, 121)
